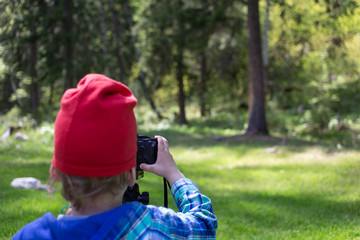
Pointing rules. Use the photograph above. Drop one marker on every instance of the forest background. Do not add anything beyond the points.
(182, 57)
(259, 101)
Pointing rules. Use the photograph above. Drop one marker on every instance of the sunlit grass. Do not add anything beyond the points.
(295, 192)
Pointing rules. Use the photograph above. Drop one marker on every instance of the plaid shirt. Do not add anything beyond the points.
(195, 219)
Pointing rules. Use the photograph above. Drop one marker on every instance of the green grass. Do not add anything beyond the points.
(299, 192)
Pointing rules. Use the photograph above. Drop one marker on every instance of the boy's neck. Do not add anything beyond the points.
(97, 205)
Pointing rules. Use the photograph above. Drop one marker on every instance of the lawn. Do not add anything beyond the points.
(259, 189)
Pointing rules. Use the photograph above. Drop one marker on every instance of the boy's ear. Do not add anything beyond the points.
(130, 176)
(53, 174)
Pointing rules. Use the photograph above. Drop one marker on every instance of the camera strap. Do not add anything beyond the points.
(166, 183)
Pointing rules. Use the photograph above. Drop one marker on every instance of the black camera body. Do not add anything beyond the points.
(146, 153)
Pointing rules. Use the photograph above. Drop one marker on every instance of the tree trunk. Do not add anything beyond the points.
(103, 36)
(203, 85)
(34, 93)
(148, 95)
(7, 91)
(68, 54)
(142, 75)
(265, 45)
(14, 87)
(180, 80)
(116, 30)
(257, 120)
(51, 95)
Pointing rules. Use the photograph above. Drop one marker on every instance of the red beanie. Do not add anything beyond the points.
(95, 129)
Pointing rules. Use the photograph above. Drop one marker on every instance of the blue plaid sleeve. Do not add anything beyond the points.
(195, 219)
(196, 213)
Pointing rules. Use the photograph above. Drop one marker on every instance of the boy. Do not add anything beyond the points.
(95, 145)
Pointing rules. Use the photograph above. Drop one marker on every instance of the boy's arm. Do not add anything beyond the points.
(195, 209)
(196, 218)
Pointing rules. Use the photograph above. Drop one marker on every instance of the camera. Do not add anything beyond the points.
(146, 153)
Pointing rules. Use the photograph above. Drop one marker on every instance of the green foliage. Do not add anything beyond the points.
(166, 29)
(64, 45)
(313, 57)
(15, 118)
(313, 65)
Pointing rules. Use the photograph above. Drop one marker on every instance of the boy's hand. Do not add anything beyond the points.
(165, 165)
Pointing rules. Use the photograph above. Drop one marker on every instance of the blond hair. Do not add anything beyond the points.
(75, 188)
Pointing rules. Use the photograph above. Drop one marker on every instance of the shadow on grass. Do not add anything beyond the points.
(243, 213)
(183, 134)
(181, 137)
(23, 169)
